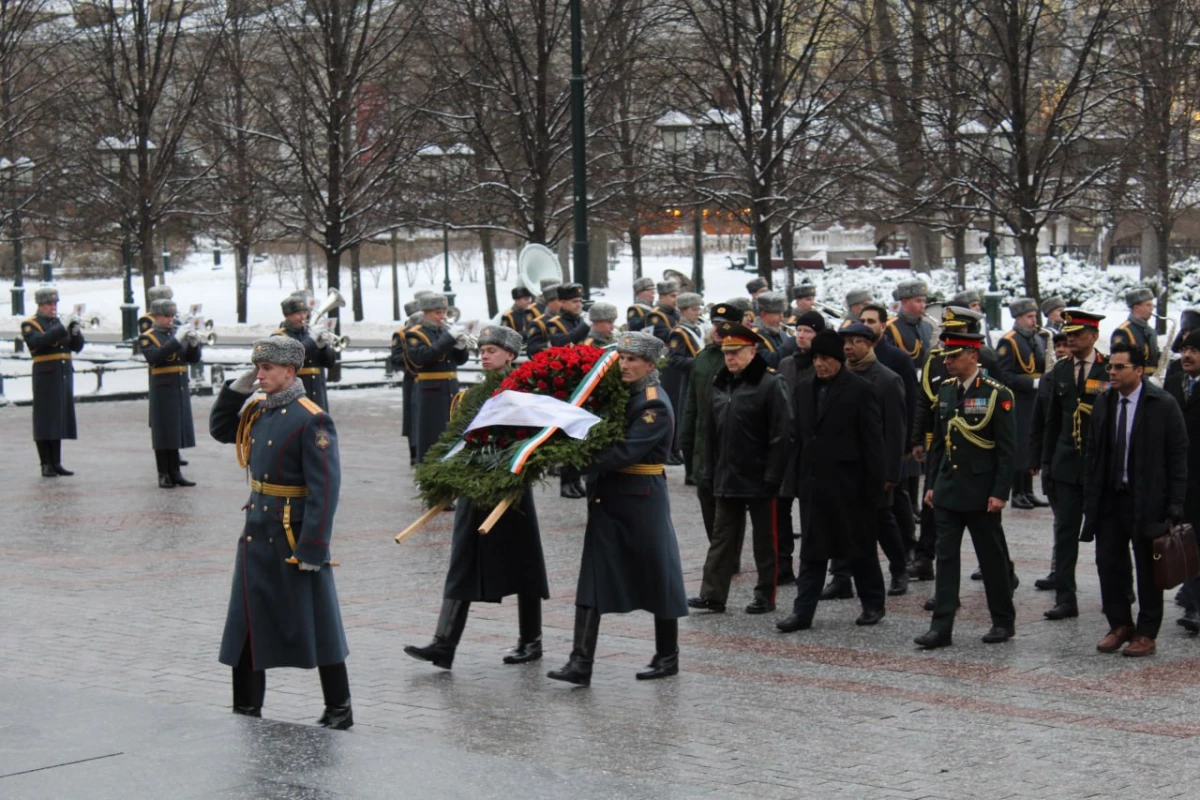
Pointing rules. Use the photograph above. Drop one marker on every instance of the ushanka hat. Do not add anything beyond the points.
(1022, 305)
(641, 344)
(910, 289)
(643, 284)
(689, 300)
(278, 349)
(432, 302)
(45, 294)
(668, 287)
(803, 290)
(755, 285)
(520, 291)
(502, 337)
(857, 296)
(293, 303)
(161, 290)
(1139, 295)
(603, 312)
(570, 291)
(1051, 303)
(771, 303)
(162, 307)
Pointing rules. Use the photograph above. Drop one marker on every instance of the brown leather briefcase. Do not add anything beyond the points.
(1175, 556)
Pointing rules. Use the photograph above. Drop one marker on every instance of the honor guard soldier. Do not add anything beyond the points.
(969, 475)
(630, 551)
(684, 343)
(856, 301)
(434, 353)
(319, 354)
(400, 362)
(665, 316)
(507, 561)
(643, 304)
(521, 315)
(754, 287)
(804, 296)
(776, 345)
(51, 341)
(1022, 360)
(564, 328)
(1052, 310)
(1062, 450)
(909, 329)
(160, 292)
(1136, 330)
(168, 349)
(604, 319)
(547, 305)
(283, 606)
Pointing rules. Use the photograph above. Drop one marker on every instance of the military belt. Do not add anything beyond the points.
(278, 489)
(52, 357)
(309, 371)
(436, 376)
(167, 370)
(642, 469)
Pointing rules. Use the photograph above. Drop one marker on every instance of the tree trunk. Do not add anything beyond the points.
(787, 249)
(960, 257)
(635, 247)
(308, 270)
(489, 271)
(762, 244)
(333, 280)
(1163, 256)
(598, 257)
(356, 297)
(146, 255)
(1152, 254)
(918, 247)
(242, 269)
(1029, 257)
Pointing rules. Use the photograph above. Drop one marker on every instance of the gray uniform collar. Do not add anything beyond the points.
(642, 383)
(283, 398)
(1141, 323)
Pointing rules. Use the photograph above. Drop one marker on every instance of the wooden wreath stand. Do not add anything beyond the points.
(484, 528)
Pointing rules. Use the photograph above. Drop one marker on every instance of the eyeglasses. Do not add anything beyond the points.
(1111, 367)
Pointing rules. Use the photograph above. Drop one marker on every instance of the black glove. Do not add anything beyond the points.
(1088, 533)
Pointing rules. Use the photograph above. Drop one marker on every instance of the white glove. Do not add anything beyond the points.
(180, 335)
(462, 342)
(246, 383)
(1036, 381)
(306, 567)
(192, 337)
(324, 339)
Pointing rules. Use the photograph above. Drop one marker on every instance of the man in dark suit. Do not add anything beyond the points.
(1184, 386)
(1135, 485)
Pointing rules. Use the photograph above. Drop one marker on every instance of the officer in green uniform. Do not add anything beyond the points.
(168, 350)
(665, 316)
(1136, 330)
(969, 474)
(643, 304)
(435, 353)
(319, 354)
(51, 340)
(603, 330)
(1062, 449)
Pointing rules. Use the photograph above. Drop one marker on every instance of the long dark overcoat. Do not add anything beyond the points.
(171, 425)
(291, 618)
(504, 562)
(1022, 360)
(430, 350)
(51, 345)
(316, 361)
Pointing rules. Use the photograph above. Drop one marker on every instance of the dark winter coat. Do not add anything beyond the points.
(837, 471)
(51, 344)
(693, 438)
(792, 367)
(683, 345)
(749, 432)
(431, 353)
(776, 345)
(1021, 362)
(171, 425)
(560, 330)
(914, 337)
(890, 356)
(889, 393)
(661, 321)
(316, 361)
(1064, 443)
(1191, 420)
(291, 618)
(630, 553)
(506, 561)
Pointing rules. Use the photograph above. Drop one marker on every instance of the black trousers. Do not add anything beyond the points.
(250, 685)
(988, 537)
(868, 580)
(729, 524)
(49, 451)
(786, 532)
(902, 506)
(887, 533)
(927, 542)
(1114, 540)
(1068, 520)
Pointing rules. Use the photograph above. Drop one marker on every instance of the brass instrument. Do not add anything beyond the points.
(333, 300)
(1164, 352)
(329, 338)
(684, 281)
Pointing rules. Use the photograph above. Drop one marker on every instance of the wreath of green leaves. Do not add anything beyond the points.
(481, 474)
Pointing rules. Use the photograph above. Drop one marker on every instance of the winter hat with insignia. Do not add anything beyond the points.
(294, 302)
(278, 349)
(755, 285)
(603, 312)
(1022, 305)
(668, 287)
(45, 294)
(550, 293)
(520, 291)
(736, 335)
(1051, 303)
(643, 284)
(502, 337)
(432, 302)
(1139, 295)
(910, 289)
(805, 289)
(644, 345)
(689, 300)
(570, 291)
(161, 290)
(856, 297)
(771, 303)
(162, 307)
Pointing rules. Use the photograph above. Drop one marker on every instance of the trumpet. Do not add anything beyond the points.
(327, 338)
(1164, 357)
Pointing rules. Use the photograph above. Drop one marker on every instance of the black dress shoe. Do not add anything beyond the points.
(164, 481)
(899, 585)
(338, 718)
(1190, 621)
(183, 462)
(998, 634)
(760, 606)
(248, 711)
(59, 469)
(1061, 611)
(688, 480)
(181, 481)
(572, 490)
(704, 604)
(870, 617)
(792, 623)
(1046, 584)
(661, 667)
(48, 471)
(837, 589)
(1038, 502)
(1022, 502)
(932, 640)
(930, 605)
(674, 460)
(921, 570)
(524, 652)
(439, 653)
(785, 576)
(977, 575)
(1013, 580)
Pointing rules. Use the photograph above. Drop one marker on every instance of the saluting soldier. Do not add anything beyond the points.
(507, 561)
(51, 341)
(283, 605)
(665, 316)
(969, 476)
(776, 345)
(319, 354)
(909, 329)
(1062, 449)
(630, 552)
(400, 362)
(434, 353)
(159, 292)
(1022, 360)
(643, 304)
(564, 328)
(521, 315)
(604, 319)
(1136, 330)
(168, 349)
(684, 343)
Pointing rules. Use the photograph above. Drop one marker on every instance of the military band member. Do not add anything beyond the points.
(604, 319)
(51, 341)
(1062, 449)
(1137, 330)
(434, 353)
(400, 362)
(775, 344)
(564, 328)
(159, 292)
(547, 305)
(168, 350)
(909, 329)
(1022, 360)
(643, 304)
(683, 344)
(804, 296)
(756, 286)
(1052, 310)
(283, 605)
(319, 354)
(489, 568)
(856, 301)
(969, 475)
(521, 315)
(665, 316)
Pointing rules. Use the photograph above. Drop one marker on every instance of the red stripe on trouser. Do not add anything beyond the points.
(775, 544)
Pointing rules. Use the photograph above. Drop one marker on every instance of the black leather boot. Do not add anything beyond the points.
(176, 475)
(529, 618)
(46, 458)
(578, 669)
(440, 652)
(56, 458)
(164, 470)
(249, 686)
(335, 685)
(666, 645)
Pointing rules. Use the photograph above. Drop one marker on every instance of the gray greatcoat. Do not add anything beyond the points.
(51, 345)
(290, 618)
(507, 561)
(316, 361)
(431, 352)
(171, 425)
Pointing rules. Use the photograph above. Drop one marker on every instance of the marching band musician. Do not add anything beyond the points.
(283, 604)
(1022, 360)
(434, 353)
(507, 561)
(754, 287)
(546, 306)
(804, 296)
(51, 341)
(775, 344)
(665, 316)
(521, 315)
(630, 552)
(856, 301)
(1052, 310)
(319, 354)
(563, 328)
(685, 341)
(168, 350)
(400, 362)
(1137, 331)
(159, 292)
(643, 304)
(604, 318)
(909, 329)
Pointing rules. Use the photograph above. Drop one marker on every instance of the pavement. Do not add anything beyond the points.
(114, 592)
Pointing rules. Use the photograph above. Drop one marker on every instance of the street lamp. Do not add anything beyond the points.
(675, 128)
(18, 177)
(444, 168)
(114, 155)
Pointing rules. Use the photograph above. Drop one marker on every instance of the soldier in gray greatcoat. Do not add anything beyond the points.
(319, 354)
(604, 319)
(630, 553)
(643, 304)
(435, 355)
(168, 350)
(400, 362)
(283, 605)
(1137, 330)
(51, 340)
(160, 292)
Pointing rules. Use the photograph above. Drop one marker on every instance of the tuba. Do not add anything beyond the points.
(685, 282)
(332, 301)
(536, 262)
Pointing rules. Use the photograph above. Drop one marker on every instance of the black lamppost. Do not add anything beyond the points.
(579, 153)
(114, 153)
(444, 169)
(18, 176)
(676, 130)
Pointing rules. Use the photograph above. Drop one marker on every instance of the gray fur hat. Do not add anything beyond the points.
(410, 308)
(161, 290)
(741, 303)
(45, 294)
(668, 287)
(1139, 295)
(641, 344)
(857, 296)
(546, 283)
(417, 295)
(910, 289)
(771, 303)
(550, 293)
(603, 312)
(162, 307)
(1051, 303)
(432, 302)
(1022, 305)
(689, 300)
(965, 298)
(293, 303)
(278, 349)
(642, 284)
(502, 337)
(755, 285)
(805, 289)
